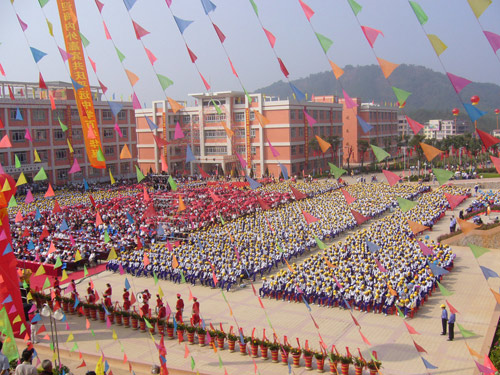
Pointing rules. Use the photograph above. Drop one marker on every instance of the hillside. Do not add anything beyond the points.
(432, 94)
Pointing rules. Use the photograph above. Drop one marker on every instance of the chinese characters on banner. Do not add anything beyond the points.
(78, 70)
(306, 140)
(249, 145)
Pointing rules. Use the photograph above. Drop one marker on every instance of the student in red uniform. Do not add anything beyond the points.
(178, 316)
(74, 292)
(180, 303)
(126, 301)
(57, 287)
(90, 294)
(160, 308)
(107, 296)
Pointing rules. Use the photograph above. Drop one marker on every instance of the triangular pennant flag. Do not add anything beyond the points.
(415, 126)
(380, 153)
(457, 82)
(263, 121)
(464, 332)
(164, 82)
(425, 249)
(371, 34)
(445, 292)
(5, 142)
(140, 175)
(416, 228)
(483, 369)
(410, 329)
(189, 155)
(466, 226)
(37, 54)
(437, 44)
(336, 171)
(50, 191)
(253, 184)
(387, 67)
(6, 187)
(17, 163)
(442, 175)
(493, 39)
(436, 270)
(452, 309)
(273, 150)
(479, 6)
(405, 205)
(325, 42)
(297, 193)
(324, 145)
(132, 77)
(487, 139)
(182, 206)
(309, 218)
(40, 176)
(112, 180)
(12, 202)
(152, 58)
(401, 95)
(364, 338)
(496, 162)
(417, 9)
(454, 200)
(270, 37)
(349, 103)
(473, 112)
(125, 153)
(174, 105)
(75, 167)
(365, 126)
(182, 24)
(21, 180)
(29, 196)
(337, 71)
(178, 132)
(172, 183)
(488, 272)
(139, 30)
(349, 199)
(298, 94)
(430, 152)
(70, 146)
(360, 219)
(284, 171)
(478, 250)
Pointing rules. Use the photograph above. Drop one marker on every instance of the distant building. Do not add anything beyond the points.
(496, 133)
(208, 124)
(384, 133)
(403, 127)
(440, 129)
(31, 110)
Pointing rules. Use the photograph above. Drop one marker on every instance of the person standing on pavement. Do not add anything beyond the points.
(444, 319)
(180, 303)
(453, 224)
(25, 367)
(451, 327)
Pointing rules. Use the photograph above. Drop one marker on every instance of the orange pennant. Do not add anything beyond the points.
(337, 71)
(473, 352)
(497, 295)
(125, 153)
(174, 105)
(175, 263)
(263, 121)
(132, 77)
(324, 145)
(416, 228)
(229, 132)
(50, 191)
(430, 152)
(182, 206)
(146, 260)
(387, 67)
(466, 226)
(98, 219)
(52, 248)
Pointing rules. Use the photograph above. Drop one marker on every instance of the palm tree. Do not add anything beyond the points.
(363, 146)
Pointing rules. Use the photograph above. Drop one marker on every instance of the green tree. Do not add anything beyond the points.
(363, 146)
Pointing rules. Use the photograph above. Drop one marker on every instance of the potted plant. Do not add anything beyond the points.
(285, 351)
(243, 345)
(142, 324)
(296, 354)
(231, 341)
(320, 360)
(345, 361)
(118, 317)
(170, 330)
(359, 363)
(308, 358)
(221, 336)
(161, 326)
(126, 318)
(152, 322)
(264, 347)
(93, 311)
(180, 331)
(211, 333)
(71, 306)
(274, 347)
(135, 320)
(191, 330)
(86, 309)
(201, 335)
(254, 347)
(65, 303)
(374, 366)
(334, 360)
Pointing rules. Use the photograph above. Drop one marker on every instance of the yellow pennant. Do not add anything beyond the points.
(111, 177)
(21, 180)
(78, 256)
(51, 28)
(6, 186)
(160, 292)
(69, 146)
(37, 157)
(115, 337)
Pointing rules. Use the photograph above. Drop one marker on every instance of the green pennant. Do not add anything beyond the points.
(222, 220)
(247, 95)
(17, 162)
(324, 41)
(356, 8)
(405, 205)
(223, 295)
(445, 292)
(155, 277)
(183, 280)
(25, 284)
(100, 155)
(380, 153)
(279, 247)
(106, 236)
(140, 176)
(147, 323)
(85, 41)
(400, 313)
(58, 262)
(442, 175)
(419, 12)
(9, 346)
(52, 346)
(22, 329)
(172, 183)
(268, 320)
(85, 272)
(465, 333)
(46, 283)
(164, 81)
(12, 202)
(63, 127)
(219, 111)
(337, 172)
(220, 362)
(121, 56)
(192, 363)
(74, 348)
(92, 331)
(255, 9)
(401, 95)
(43, 3)
(41, 175)
(320, 244)
(478, 250)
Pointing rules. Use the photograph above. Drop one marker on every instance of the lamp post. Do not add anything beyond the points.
(53, 316)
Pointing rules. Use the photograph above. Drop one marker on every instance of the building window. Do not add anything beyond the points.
(215, 150)
(61, 154)
(22, 156)
(241, 149)
(124, 132)
(292, 114)
(108, 133)
(239, 132)
(13, 113)
(44, 155)
(322, 130)
(74, 114)
(321, 115)
(40, 135)
(215, 118)
(301, 115)
(76, 133)
(253, 133)
(301, 149)
(17, 136)
(293, 132)
(58, 114)
(107, 115)
(239, 116)
(239, 100)
(301, 132)
(215, 133)
(109, 150)
(112, 168)
(186, 119)
(196, 119)
(39, 115)
(94, 171)
(125, 168)
(122, 115)
(62, 174)
(58, 135)
(78, 152)
(294, 150)
(254, 150)
(252, 116)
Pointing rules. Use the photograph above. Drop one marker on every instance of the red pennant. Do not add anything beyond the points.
(392, 178)
(220, 34)
(414, 125)
(207, 86)
(11, 93)
(452, 309)
(410, 329)
(419, 348)
(364, 339)
(487, 139)
(192, 56)
(309, 218)
(41, 82)
(263, 204)
(496, 162)
(82, 365)
(186, 351)
(454, 200)
(283, 68)
(103, 88)
(146, 260)
(92, 201)
(56, 208)
(202, 172)
(98, 219)
(355, 321)
(139, 30)
(297, 193)
(360, 219)
(348, 196)
(99, 5)
(45, 234)
(41, 329)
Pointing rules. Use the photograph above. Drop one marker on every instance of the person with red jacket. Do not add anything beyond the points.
(126, 301)
(180, 303)
(178, 316)
(107, 296)
(90, 294)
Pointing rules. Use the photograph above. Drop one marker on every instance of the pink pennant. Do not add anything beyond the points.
(483, 369)
(65, 55)
(307, 10)
(168, 310)
(24, 26)
(452, 309)
(67, 326)
(139, 30)
(2, 72)
(458, 82)
(242, 161)
(99, 5)
(348, 197)
(494, 40)
(108, 323)
(118, 130)
(219, 33)
(349, 103)
(496, 162)
(410, 329)
(121, 270)
(27, 135)
(310, 120)
(454, 200)
(32, 309)
(106, 31)
(232, 67)
(94, 68)
(273, 150)
(169, 2)
(371, 34)
(425, 249)
(488, 363)
(29, 197)
(152, 58)
(270, 37)
(178, 132)
(135, 102)
(72, 240)
(414, 125)
(1, 169)
(380, 267)
(192, 56)
(392, 178)
(12, 309)
(207, 86)
(76, 167)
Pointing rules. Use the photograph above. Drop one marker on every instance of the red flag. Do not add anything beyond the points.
(82, 365)
(41, 82)
(192, 56)
(364, 339)
(410, 329)
(419, 348)
(392, 178)
(220, 34)
(56, 208)
(132, 299)
(360, 219)
(139, 30)
(263, 204)
(283, 68)
(414, 125)
(92, 201)
(487, 139)
(454, 200)
(186, 351)
(452, 309)
(202, 172)
(309, 218)
(297, 193)
(348, 196)
(355, 321)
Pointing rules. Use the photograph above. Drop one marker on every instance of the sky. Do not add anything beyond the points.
(404, 41)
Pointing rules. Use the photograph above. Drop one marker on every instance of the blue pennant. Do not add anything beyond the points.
(298, 94)
(182, 24)
(364, 125)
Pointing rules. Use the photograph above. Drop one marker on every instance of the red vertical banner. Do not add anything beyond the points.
(165, 135)
(78, 70)
(249, 137)
(306, 141)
